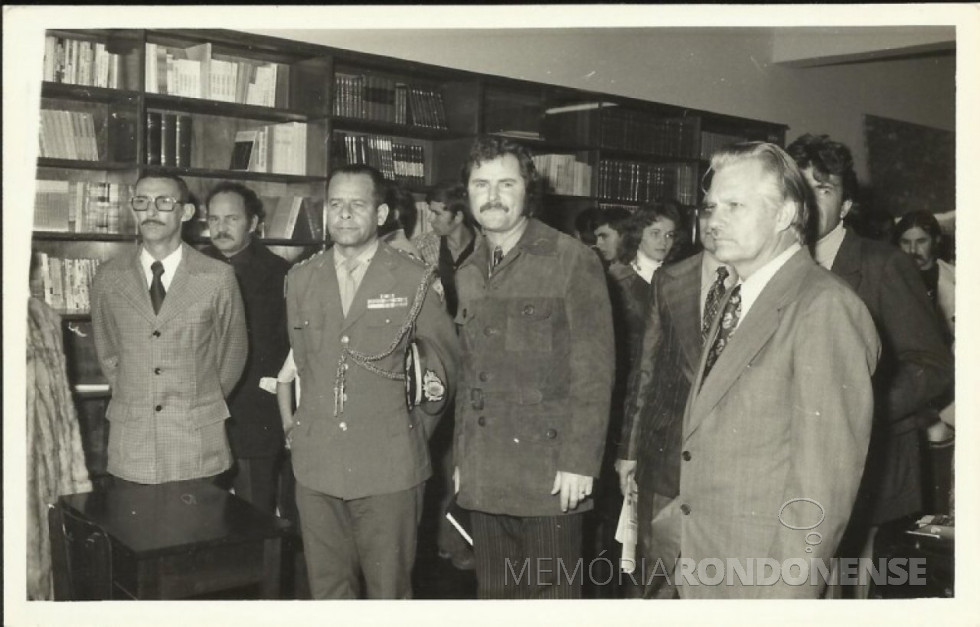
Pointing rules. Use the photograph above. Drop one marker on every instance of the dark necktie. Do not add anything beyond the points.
(713, 301)
(726, 328)
(156, 287)
(498, 256)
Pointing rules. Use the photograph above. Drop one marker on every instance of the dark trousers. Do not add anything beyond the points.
(256, 479)
(112, 481)
(534, 557)
(373, 536)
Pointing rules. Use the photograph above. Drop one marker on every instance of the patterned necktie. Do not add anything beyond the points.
(156, 287)
(712, 302)
(349, 287)
(729, 320)
(496, 258)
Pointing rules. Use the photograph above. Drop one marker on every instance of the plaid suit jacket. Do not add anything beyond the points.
(169, 372)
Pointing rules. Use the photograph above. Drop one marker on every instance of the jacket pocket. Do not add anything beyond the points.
(529, 325)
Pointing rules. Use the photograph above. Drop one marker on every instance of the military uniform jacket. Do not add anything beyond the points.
(169, 372)
(537, 373)
(255, 427)
(373, 445)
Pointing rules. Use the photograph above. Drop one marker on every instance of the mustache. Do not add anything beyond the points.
(492, 205)
(221, 236)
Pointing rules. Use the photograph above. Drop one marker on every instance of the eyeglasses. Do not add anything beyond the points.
(162, 203)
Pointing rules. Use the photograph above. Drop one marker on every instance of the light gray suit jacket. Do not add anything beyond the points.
(169, 372)
(775, 439)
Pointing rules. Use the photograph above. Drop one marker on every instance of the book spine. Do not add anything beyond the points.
(182, 130)
(154, 138)
(168, 139)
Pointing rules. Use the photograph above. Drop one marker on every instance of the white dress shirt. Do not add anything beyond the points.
(645, 266)
(170, 263)
(753, 286)
(825, 252)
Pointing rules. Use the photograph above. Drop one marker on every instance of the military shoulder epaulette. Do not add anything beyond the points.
(307, 260)
(409, 255)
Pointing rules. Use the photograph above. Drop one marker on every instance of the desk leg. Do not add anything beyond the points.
(272, 568)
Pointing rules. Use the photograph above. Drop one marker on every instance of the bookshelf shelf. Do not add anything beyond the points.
(74, 316)
(58, 236)
(236, 175)
(82, 164)
(636, 155)
(87, 93)
(186, 104)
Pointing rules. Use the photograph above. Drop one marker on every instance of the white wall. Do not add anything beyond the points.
(723, 70)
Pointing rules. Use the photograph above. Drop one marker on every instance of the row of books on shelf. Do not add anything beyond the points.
(710, 142)
(196, 73)
(396, 160)
(632, 130)
(68, 135)
(168, 139)
(66, 283)
(78, 62)
(292, 217)
(279, 148)
(383, 99)
(565, 174)
(644, 182)
(82, 207)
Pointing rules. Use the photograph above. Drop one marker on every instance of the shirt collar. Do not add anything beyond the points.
(645, 266)
(709, 270)
(170, 263)
(364, 257)
(752, 287)
(825, 251)
(510, 240)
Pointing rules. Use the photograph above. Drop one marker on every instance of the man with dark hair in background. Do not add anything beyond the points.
(533, 402)
(915, 367)
(402, 217)
(234, 212)
(170, 333)
(918, 234)
(609, 230)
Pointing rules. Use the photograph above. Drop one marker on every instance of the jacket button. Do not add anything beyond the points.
(489, 331)
(157, 371)
(156, 334)
(685, 509)
(551, 434)
(484, 376)
(159, 407)
(481, 421)
(345, 340)
(528, 310)
(686, 456)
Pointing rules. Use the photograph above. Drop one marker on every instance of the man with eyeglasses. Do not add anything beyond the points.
(170, 333)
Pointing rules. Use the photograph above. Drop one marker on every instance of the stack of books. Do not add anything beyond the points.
(398, 161)
(565, 174)
(82, 207)
(710, 142)
(644, 182)
(383, 99)
(279, 148)
(80, 63)
(666, 137)
(66, 283)
(193, 72)
(68, 135)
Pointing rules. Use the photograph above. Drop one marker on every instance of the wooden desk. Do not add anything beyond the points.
(178, 540)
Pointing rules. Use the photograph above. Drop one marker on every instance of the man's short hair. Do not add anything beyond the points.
(586, 222)
(402, 213)
(643, 217)
(921, 219)
(826, 157)
(616, 218)
(790, 183)
(489, 147)
(250, 200)
(185, 192)
(451, 195)
(378, 180)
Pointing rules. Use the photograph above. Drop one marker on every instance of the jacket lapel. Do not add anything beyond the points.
(847, 264)
(182, 292)
(682, 294)
(378, 279)
(134, 288)
(752, 334)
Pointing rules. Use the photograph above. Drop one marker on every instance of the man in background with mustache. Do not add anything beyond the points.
(169, 329)
(533, 402)
(255, 428)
